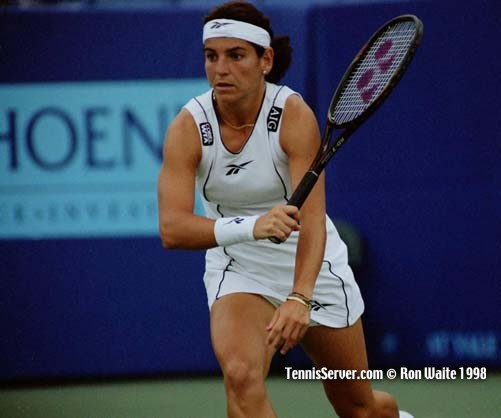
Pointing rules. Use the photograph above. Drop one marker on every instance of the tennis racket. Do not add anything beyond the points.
(367, 82)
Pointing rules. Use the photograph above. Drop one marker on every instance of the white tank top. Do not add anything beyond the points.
(253, 180)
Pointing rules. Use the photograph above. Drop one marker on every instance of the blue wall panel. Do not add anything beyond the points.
(102, 306)
(418, 181)
(63, 44)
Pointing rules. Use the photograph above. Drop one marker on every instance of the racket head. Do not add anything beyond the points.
(375, 71)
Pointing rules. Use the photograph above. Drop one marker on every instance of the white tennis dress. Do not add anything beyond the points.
(251, 182)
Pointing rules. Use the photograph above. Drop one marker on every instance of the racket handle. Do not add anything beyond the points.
(303, 189)
(300, 194)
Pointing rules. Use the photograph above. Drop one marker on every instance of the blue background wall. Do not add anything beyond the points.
(420, 182)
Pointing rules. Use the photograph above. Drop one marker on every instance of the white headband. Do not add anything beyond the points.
(227, 28)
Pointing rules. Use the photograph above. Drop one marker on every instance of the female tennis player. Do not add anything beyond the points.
(245, 144)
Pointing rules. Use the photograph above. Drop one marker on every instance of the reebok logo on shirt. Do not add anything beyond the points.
(316, 306)
(235, 168)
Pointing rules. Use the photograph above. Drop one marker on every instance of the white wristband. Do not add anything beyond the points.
(229, 231)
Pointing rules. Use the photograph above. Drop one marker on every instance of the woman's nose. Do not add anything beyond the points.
(221, 66)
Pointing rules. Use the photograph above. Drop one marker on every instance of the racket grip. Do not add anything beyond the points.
(303, 189)
(300, 194)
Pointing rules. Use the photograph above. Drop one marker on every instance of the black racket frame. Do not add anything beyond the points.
(327, 147)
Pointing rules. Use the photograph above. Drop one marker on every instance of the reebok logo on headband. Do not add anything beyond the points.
(217, 25)
(229, 28)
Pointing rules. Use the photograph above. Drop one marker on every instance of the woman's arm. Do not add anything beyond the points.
(300, 139)
(179, 227)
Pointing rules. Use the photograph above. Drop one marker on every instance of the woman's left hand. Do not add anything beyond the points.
(288, 325)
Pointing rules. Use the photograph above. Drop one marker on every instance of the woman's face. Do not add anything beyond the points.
(234, 69)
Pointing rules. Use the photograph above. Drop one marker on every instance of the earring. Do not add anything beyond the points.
(265, 72)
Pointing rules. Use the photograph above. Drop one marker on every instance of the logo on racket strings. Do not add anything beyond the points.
(384, 60)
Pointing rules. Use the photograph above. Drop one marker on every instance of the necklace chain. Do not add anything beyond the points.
(238, 128)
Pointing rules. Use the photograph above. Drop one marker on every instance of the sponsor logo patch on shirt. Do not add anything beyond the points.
(274, 118)
(206, 132)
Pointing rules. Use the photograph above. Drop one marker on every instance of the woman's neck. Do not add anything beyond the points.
(241, 114)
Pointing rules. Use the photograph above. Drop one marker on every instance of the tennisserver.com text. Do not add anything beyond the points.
(328, 374)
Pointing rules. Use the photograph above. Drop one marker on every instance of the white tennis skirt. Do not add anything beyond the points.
(267, 269)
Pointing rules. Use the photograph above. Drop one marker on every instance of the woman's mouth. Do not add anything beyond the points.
(223, 86)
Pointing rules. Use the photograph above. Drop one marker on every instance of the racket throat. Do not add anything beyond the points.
(340, 140)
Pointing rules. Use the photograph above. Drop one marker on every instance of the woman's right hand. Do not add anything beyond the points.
(279, 222)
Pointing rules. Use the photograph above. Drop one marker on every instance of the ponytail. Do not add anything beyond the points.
(282, 58)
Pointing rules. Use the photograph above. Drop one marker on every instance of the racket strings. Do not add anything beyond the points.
(374, 71)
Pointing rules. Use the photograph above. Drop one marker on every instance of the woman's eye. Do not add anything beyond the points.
(210, 57)
(235, 56)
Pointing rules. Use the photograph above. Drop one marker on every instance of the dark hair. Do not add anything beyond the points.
(246, 12)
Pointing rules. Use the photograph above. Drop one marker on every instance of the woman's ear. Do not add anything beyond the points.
(267, 60)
